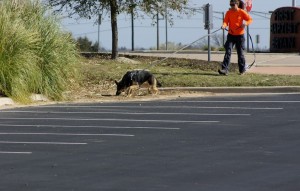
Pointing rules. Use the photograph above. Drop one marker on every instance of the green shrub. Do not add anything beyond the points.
(35, 55)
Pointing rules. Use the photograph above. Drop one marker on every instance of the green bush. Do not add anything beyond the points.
(35, 55)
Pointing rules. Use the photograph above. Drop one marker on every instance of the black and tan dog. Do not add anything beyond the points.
(132, 80)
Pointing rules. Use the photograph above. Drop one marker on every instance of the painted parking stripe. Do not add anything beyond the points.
(129, 113)
(42, 143)
(236, 101)
(10, 152)
(111, 119)
(88, 126)
(68, 134)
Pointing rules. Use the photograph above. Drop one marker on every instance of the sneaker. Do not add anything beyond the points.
(242, 73)
(223, 72)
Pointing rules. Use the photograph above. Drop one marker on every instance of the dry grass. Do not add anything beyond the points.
(98, 74)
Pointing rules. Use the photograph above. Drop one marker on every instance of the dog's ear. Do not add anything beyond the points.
(116, 82)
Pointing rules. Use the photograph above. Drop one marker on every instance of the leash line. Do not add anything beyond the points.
(254, 54)
(167, 57)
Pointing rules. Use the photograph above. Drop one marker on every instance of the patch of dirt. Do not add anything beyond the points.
(127, 60)
(106, 92)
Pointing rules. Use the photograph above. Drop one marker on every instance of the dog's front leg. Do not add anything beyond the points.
(131, 89)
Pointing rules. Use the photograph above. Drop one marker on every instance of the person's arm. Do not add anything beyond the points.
(248, 19)
(226, 21)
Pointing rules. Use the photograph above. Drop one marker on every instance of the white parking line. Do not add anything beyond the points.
(110, 119)
(88, 126)
(68, 134)
(240, 101)
(41, 143)
(9, 152)
(128, 113)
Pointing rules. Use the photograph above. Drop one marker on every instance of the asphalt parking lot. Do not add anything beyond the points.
(206, 143)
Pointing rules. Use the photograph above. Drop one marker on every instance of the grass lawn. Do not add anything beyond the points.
(97, 75)
(178, 72)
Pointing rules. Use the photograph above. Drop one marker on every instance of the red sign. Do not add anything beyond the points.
(248, 5)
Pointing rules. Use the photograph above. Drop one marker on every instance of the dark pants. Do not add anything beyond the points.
(239, 42)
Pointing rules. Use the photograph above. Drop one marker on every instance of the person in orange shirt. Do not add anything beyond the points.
(236, 20)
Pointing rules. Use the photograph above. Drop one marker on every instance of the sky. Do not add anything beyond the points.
(184, 30)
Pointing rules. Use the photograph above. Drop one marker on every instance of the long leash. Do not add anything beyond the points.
(253, 51)
(167, 57)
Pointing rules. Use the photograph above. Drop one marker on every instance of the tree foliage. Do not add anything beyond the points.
(92, 8)
(85, 45)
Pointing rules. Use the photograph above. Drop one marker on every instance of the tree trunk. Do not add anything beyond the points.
(114, 28)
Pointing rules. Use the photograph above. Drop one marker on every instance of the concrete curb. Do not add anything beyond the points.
(4, 101)
(271, 89)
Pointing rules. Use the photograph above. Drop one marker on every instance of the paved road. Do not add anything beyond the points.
(197, 144)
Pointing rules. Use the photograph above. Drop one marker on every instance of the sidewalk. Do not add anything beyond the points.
(287, 64)
(291, 70)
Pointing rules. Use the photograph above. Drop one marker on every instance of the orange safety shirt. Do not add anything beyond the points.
(235, 19)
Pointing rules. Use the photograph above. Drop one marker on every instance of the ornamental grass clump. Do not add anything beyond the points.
(36, 56)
